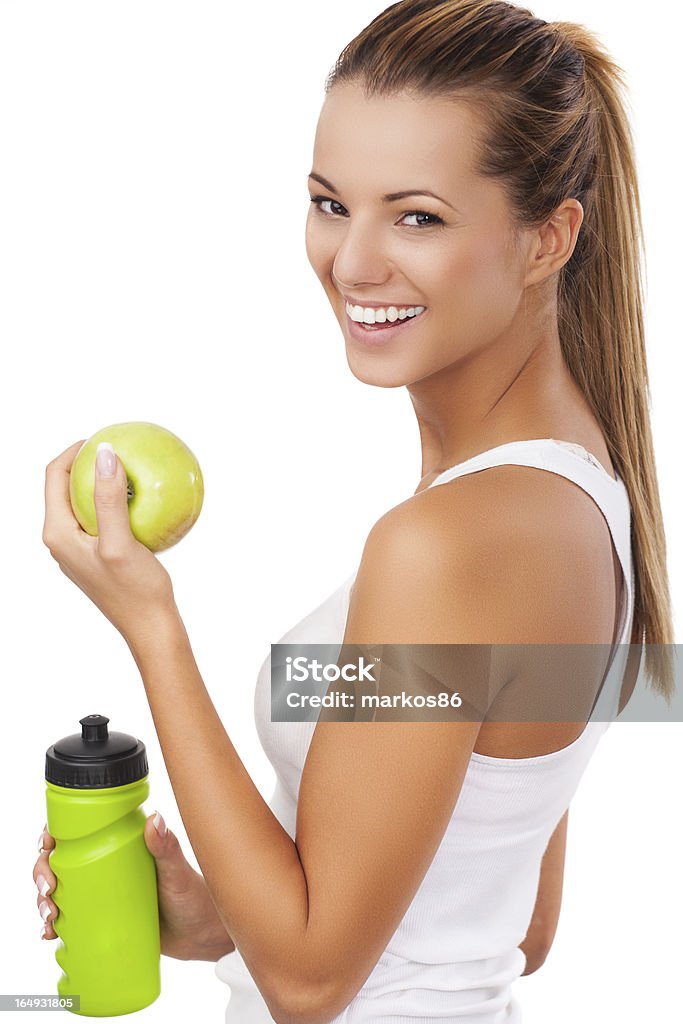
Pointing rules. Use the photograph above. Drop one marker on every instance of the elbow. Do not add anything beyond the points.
(318, 1003)
(304, 1004)
(318, 992)
(296, 1012)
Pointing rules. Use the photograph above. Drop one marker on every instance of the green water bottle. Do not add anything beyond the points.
(106, 890)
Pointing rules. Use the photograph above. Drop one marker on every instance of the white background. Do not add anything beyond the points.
(153, 164)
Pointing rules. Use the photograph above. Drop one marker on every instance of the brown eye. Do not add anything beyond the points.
(319, 200)
(421, 213)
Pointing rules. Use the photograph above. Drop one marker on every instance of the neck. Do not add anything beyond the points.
(505, 392)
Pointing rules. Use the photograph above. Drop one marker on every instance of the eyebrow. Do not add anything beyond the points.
(390, 197)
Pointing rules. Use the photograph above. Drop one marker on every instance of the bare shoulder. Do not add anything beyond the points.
(532, 549)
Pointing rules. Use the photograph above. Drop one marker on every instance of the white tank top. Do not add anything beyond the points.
(454, 955)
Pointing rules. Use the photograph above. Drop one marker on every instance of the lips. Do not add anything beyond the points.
(380, 327)
(380, 335)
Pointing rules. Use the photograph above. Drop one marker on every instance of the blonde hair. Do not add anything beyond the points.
(550, 98)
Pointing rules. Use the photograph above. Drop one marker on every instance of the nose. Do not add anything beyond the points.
(360, 260)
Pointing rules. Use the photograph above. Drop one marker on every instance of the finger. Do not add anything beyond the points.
(48, 911)
(45, 841)
(111, 502)
(59, 517)
(47, 930)
(43, 876)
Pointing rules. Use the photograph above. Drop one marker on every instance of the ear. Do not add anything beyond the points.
(553, 243)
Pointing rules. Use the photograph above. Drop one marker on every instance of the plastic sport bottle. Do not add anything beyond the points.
(106, 890)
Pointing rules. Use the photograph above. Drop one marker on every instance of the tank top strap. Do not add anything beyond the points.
(575, 463)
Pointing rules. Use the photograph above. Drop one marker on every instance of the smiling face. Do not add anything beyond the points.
(453, 252)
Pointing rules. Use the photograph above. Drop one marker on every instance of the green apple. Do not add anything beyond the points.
(165, 483)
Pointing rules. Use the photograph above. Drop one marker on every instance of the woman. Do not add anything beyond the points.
(475, 224)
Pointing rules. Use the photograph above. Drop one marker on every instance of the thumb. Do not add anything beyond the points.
(166, 850)
(111, 499)
(157, 836)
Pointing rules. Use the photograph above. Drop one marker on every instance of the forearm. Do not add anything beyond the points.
(535, 956)
(251, 865)
(544, 920)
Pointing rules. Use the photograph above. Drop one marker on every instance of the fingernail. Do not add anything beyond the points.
(43, 930)
(44, 909)
(159, 824)
(40, 842)
(105, 460)
(43, 885)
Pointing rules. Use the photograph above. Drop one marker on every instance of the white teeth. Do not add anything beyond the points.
(380, 315)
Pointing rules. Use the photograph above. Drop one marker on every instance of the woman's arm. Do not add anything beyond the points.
(543, 924)
(311, 916)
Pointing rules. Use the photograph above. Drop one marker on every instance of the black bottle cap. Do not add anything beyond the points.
(95, 758)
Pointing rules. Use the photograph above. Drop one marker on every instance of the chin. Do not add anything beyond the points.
(382, 372)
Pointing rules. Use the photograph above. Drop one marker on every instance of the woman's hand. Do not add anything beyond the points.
(45, 884)
(119, 574)
(188, 920)
(189, 925)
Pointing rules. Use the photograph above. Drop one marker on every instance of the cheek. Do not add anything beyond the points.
(481, 283)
